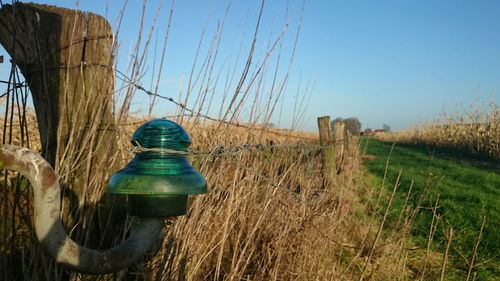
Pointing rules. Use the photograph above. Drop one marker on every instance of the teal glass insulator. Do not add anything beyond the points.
(159, 179)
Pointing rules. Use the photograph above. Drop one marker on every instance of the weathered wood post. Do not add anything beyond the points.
(327, 153)
(66, 57)
(348, 139)
(352, 143)
(339, 141)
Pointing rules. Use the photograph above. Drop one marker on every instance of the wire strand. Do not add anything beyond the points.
(198, 114)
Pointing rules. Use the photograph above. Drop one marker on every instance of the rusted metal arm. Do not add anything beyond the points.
(49, 228)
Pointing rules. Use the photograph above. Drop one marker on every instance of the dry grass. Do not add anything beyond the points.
(267, 215)
(475, 131)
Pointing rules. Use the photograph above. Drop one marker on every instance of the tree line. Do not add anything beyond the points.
(353, 125)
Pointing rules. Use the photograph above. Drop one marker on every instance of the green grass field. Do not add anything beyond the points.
(468, 189)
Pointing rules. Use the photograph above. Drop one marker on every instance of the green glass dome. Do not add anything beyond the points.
(159, 179)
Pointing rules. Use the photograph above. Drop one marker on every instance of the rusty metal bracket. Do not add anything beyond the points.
(49, 228)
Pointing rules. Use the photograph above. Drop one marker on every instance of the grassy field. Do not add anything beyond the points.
(453, 191)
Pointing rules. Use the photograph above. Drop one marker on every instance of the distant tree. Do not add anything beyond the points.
(386, 128)
(338, 119)
(353, 125)
(332, 123)
(367, 132)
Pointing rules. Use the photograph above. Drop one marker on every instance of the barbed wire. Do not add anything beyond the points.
(275, 181)
(18, 85)
(220, 150)
(137, 148)
(199, 114)
(191, 111)
(14, 87)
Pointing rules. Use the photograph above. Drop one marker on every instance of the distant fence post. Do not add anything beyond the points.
(351, 143)
(339, 140)
(327, 153)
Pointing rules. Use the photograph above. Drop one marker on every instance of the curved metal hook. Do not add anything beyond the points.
(49, 228)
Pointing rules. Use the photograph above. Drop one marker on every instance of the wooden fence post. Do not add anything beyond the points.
(66, 57)
(352, 143)
(327, 153)
(339, 141)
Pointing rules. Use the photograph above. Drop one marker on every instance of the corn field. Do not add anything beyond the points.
(476, 131)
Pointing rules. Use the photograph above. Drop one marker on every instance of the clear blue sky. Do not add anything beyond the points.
(394, 62)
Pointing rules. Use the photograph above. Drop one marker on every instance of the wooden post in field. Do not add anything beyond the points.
(353, 144)
(339, 141)
(327, 153)
(66, 57)
(348, 139)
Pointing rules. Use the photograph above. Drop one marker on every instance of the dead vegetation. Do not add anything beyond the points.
(267, 215)
(476, 131)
